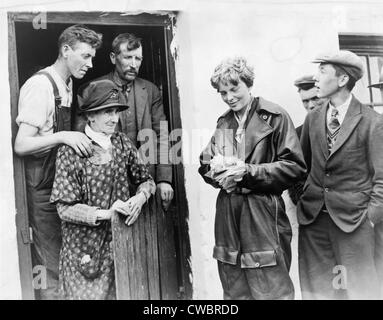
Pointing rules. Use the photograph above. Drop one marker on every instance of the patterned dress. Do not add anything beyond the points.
(86, 257)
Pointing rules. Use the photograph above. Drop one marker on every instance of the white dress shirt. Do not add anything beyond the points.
(342, 109)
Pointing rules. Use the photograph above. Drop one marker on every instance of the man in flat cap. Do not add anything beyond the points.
(308, 94)
(379, 84)
(343, 195)
(379, 227)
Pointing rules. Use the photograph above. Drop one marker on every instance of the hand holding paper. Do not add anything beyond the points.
(227, 171)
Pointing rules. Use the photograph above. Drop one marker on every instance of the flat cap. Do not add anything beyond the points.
(98, 95)
(346, 60)
(305, 82)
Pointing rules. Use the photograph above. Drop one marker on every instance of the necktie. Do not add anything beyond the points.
(334, 122)
(333, 129)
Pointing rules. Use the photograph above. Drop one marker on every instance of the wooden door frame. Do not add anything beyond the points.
(166, 21)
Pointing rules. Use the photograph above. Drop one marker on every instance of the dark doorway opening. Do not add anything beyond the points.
(38, 49)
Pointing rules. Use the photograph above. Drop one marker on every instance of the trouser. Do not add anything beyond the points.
(256, 283)
(334, 264)
(379, 253)
(253, 236)
(46, 233)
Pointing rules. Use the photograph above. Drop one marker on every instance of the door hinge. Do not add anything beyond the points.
(181, 293)
(27, 235)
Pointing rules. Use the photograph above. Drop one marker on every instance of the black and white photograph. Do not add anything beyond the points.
(211, 151)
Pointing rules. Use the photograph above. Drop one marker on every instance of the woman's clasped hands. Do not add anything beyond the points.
(130, 208)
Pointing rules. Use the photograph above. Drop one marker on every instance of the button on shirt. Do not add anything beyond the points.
(37, 101)
(342, 110)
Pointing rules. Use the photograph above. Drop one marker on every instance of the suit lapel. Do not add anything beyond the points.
(256, 130)
(320, 126)
(141, 97)
(351, 119)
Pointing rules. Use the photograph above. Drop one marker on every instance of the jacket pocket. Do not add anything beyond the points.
(258, 259)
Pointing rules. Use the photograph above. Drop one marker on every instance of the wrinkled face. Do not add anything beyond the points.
(310, 99)
(79, 58)
(104, 121)
(235, 96)
(127, 62)
(327, 82)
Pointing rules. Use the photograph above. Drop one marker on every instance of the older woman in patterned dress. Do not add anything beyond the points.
(88, 190)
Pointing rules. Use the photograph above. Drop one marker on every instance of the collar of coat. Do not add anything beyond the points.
(350, 121)
(257, 127)
(260, 104)
(140, 97)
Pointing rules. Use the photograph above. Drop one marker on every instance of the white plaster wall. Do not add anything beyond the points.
(279, 38)
(9, 276)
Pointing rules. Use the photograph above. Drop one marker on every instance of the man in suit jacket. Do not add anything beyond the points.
(379, 227)
(343, 195)
(145, 117)
(308, 94)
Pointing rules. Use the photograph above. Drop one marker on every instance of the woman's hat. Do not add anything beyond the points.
(98, 95)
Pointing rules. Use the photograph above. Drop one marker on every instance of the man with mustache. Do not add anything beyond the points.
(44, 121)
(145, 117)
(342, 198)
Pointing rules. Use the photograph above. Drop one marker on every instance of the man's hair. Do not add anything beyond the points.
(339, 71)
(231, 71)
(79, 33)
(130, 39)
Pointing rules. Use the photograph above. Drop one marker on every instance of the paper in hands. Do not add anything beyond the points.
(227, 171)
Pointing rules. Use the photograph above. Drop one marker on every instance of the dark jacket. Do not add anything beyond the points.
(272, 151)
(349, 181)
(252, 229)
(296, 190)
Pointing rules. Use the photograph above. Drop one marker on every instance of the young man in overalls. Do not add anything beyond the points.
(44, 121)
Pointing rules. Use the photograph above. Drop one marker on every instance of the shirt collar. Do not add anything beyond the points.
(344, 106)
(120, 82)
(100, 138)
(244, 117)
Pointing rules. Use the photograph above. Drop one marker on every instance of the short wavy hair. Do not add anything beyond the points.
(80, 33)
(132, 41)
(231, 71)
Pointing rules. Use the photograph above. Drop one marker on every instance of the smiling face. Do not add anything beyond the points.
(79, 58)
(104, 121)
(127, 62)
(235, 96)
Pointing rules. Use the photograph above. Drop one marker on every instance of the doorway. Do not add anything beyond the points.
(31, 49)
